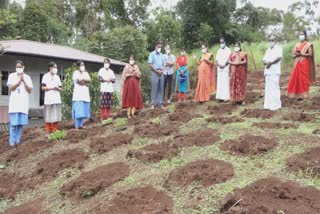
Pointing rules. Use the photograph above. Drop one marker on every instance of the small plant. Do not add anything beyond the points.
(107, 122)
(57, 136)
(172, 108)
(120, 122)
(2, 166)
(155, 120)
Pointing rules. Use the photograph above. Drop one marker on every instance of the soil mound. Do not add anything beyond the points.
(222, 109)
(308, 162)
(181, 116)
(225, 120)
(266, 125)
(249, 145)
(102, 145)
(271, 196)
(205, 137)
(90, 183)
(34, 207)
(140, 200)
(258, 113)
(155, 130)
(206, 172)
(299, 117)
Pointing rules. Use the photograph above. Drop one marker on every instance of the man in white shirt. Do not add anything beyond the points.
(52, 86)
(170, 61)
(272, 72)
(20, 86)
(107, 79)
(223, 77)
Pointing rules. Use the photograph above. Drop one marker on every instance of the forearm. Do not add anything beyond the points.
(14, 87)
(28, 88)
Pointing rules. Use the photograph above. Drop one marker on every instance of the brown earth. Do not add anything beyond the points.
(249, 145)
(257, 113)
(186, 106)
(4, 143)
(206, 172)
(204, 137)
(272, 196)
(222, 109)
(76, 136)
(152, 113)
(66, 125)
(30, 134)
(253, 97)
(155, 130)
(308, 162)
(267, 125)
(95, 181)
(181, 116)
(141, 200)
(155, 152)
(307, 104)
(102, 145)
(299, 117)
(316, 132)
(49, 167)
(225, 120)
(33, 207)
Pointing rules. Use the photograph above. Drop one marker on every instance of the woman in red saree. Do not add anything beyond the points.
(206, 81)
(303, 73)
(238, 75)
(130, 88)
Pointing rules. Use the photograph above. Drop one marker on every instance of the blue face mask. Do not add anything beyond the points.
(222, 46)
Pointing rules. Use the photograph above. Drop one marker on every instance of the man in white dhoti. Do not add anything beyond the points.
(272, 72)
(223, 77)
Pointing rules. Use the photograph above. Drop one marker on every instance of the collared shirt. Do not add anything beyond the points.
(80, 92)
(106, 75)
(52, 96)
(271, 55)
(223, 56)
(19, 98)
(157, 60)
(169, 58)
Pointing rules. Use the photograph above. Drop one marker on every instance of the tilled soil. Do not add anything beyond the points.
(202, 138)
(267, 125)
(102, 145)
(155, 152)
(205, 172)
(92, 182)
(225, 120)
(307, 162)
(249, 145)
(180, 116)
(299, 117)
(258, 113)
(155, 130)
(222, 109)
(141, 200)
(49, 167)
(272, 196)
(33, 207)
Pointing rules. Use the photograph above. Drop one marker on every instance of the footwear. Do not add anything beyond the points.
(162, 107)
(169, 101)
(152, 107)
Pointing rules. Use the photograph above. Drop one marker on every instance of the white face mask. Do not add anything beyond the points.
(159, 50)
(82, 68)
(302, 37)
(237, 49)
(131, 62)
(183, 53)
(204, 50)
(222, 46)
(55, 70)
(168, 51)
(272, 44)
(19, 70)
(106, 65)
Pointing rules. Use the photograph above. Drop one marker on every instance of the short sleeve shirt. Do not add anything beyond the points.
(157, 60)
(107, 75)
(169, 59)
(53, 96)
(80, 92)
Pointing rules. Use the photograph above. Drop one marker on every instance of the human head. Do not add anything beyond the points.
(168, 49)
(272, 41)
(183, 51)
(131, 60)
(80, 65)
(106, 63)
(19, 66)
(158, 47)
(222, 42)
(237, 47)
(52, 67)
(303, 35)
(204, 49)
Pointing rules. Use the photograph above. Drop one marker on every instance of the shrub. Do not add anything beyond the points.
(57, 136)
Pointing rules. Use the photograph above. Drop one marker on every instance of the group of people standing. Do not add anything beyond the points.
(232, 71)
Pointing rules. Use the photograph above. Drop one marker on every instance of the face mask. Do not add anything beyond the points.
(236, 49)
(131, 62)
(168, 51)
(183, 53)
(19, 70)
(159, 50)
(55, 70)
(222, 46)
(302, 37)
(106, 65)
(82, 68)
(204, 50)
(272, 44)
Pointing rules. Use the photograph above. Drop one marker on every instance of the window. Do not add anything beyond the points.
(4, 78)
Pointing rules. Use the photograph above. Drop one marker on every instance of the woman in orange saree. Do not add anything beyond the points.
(206, 80)
(303, 73)
(238, 75)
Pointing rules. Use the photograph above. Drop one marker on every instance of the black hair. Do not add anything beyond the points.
(182, 49)
(20, 62)
(222, 38)
(106, 60)
(305, 33)
(131, 56)
(79, 62)
(51, 64)
(158, 43)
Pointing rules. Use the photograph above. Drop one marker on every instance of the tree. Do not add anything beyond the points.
(119, 43)
(8, 21)
(4, 4)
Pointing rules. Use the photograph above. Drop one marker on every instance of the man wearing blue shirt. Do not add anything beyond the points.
(156, 64)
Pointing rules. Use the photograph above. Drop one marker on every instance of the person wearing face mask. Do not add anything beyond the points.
(130, 88)
(182, 85)
(206, 82)
(81, 95)
(272, 72)
(157, 63)
(107, 79)
(303, 73)
(170, 60)
(223, 75)
(52, 86)
(238, 75)
(20, 86)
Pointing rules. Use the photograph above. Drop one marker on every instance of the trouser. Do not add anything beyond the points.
(105, 113)
(15, 135)
(52, 127)
(79, 122)
(157, 84)
(168, 83)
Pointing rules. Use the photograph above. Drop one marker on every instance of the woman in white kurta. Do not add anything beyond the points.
(272, 61)
(81, 95)
(223, 76)
(52, 86)
(20, 86)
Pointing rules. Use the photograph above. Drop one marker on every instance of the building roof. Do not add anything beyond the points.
(32, 48)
